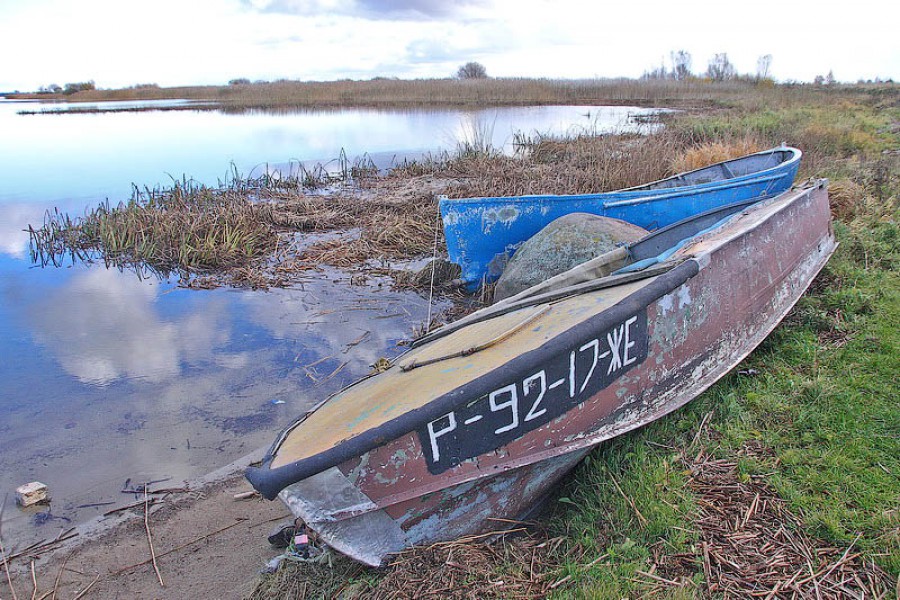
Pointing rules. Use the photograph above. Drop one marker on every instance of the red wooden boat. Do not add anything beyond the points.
(483, 417)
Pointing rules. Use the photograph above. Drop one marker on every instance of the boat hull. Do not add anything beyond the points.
(657, 348)
(483, 233)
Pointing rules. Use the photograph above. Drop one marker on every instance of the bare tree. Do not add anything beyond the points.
(829, 79)
(720, 68)
(763, 66)
(659, 72)
(681, 65)
(472, 70)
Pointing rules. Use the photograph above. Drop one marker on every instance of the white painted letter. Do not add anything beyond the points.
(434, 435)
(627, 360)
(614, 339)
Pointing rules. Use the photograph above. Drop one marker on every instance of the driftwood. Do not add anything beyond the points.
(181, 547)
(130, 506)
(150, 538)
(38, 547)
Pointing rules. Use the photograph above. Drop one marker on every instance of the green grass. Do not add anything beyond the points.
(825, 402)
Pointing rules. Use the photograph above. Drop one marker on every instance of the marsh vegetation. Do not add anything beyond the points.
(781, 480)
(480, 92)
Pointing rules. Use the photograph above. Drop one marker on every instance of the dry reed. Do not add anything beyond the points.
(186, 229)
(242, 233)
(387, 93)
(752, 546)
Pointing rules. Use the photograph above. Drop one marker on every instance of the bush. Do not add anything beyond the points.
(472, 70)
(81, 86)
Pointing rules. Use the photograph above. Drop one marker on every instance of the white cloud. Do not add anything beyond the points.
(211, 41)
(14, 218)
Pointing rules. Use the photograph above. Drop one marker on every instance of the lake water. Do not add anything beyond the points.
(106, 377)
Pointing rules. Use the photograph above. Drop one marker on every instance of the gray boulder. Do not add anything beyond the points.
(566, 242)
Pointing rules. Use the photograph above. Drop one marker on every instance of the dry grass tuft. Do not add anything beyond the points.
(713, 152)
(846, 198)
(186, 229)
(753, 546)
(522, 567)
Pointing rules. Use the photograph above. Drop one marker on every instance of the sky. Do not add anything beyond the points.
(117, 43)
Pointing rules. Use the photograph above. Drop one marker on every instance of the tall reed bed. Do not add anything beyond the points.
(383, 92)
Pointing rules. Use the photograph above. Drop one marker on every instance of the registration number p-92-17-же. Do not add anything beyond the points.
(524, 404)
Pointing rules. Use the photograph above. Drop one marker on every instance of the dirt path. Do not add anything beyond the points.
(224, 564)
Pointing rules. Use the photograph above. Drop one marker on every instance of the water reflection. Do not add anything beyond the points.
(48, 158)
(104, 376)
(110, 329)
(14, 221)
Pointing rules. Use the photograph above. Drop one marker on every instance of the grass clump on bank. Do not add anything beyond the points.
(185, 229)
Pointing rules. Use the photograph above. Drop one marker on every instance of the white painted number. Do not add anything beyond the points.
(512, 404)
(529, 383)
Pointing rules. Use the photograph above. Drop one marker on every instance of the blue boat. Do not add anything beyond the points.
(483, 233)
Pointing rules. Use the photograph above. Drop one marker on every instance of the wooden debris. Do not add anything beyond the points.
(181, 547)
(130, 506)
(9, 582)
(150, 538)
(752, 546)
(246, 495)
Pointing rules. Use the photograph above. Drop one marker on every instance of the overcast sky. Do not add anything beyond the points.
(179, 42)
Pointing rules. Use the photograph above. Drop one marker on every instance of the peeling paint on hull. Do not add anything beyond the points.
(741, 280)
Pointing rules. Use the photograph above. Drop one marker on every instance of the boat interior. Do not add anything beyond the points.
(729, 169)
(641, 259)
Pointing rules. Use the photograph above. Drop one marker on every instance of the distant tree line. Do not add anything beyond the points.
(719, 68)
(69, 88)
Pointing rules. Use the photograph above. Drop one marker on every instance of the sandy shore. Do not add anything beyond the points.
(208, 544)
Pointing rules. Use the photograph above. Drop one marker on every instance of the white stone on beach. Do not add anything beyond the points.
(32, 493)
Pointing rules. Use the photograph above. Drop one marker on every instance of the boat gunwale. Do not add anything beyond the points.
(639, 192)
(525, 300)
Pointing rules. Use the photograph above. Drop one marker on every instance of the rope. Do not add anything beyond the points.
(433, 268)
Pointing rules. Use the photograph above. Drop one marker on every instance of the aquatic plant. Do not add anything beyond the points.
(187, 228)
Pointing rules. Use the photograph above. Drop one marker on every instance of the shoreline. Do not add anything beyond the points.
(772, 423)
(193, 533)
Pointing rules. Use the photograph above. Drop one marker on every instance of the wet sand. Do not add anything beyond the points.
(207, 543)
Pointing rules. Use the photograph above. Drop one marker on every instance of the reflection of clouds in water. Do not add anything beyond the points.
(103, 325)
(14, 220)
